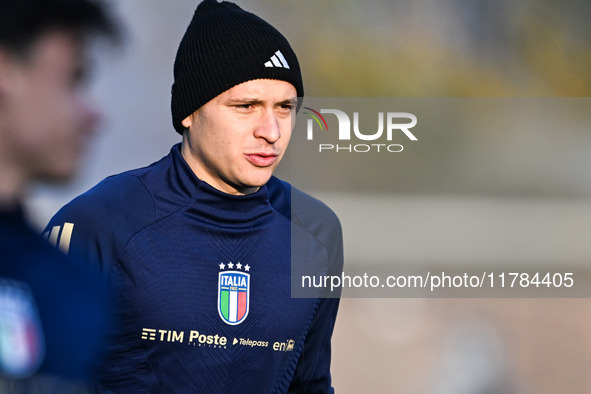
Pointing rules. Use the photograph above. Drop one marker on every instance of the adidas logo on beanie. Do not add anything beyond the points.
(225, 46)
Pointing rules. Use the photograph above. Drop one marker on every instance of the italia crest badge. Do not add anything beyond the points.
(233, 293)
(22, 344)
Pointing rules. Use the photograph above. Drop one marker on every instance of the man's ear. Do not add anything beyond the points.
(187, 122)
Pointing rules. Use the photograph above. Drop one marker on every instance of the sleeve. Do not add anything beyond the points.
(312, 374)
(96, 226)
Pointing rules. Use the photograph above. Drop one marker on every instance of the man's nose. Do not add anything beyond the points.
(268, 127)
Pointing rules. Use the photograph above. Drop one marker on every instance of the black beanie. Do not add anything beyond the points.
(225, 46)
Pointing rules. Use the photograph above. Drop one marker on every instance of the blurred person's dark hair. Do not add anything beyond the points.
(22, 22)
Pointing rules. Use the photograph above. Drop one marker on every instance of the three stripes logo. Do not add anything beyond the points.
(277, 60)
(59, 237)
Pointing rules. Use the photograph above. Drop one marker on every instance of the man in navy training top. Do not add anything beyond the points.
(200, 243)
(53, 312)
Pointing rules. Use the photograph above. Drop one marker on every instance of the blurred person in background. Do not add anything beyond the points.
(200, 242)
(54, 314)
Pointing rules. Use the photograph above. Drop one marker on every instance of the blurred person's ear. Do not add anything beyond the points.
(7, 64)
(3, 71)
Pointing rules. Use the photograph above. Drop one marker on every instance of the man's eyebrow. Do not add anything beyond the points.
(291, 100)
(249, 100)
(245, 100)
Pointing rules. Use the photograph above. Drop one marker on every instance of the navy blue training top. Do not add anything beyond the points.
(54, 314)
(204, 281)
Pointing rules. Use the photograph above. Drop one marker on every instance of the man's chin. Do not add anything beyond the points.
(254, 184)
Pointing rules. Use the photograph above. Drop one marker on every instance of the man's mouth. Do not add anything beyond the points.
(262, 159)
